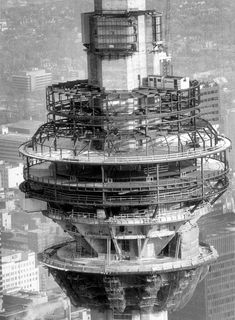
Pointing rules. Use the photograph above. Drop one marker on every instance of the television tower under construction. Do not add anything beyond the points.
(127, 166)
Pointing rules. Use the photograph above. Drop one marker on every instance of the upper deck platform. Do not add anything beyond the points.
(49, 153)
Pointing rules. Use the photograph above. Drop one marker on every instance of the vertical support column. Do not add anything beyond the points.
(157, 176)
(177, 247)
(54, 119)
(225, 161)
(202, 177)
(146, 124)
(178, 105)
(158, 183)
(27, 160)
(116, 245)
(103, 177)
(192, 104)
(108, 250)
(192, 95)
(92, 106)
(139, 246)
(72, 106)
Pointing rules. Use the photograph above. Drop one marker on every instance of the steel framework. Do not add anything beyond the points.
(127, 173)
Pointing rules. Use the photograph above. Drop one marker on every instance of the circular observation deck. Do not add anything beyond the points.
(113, 149)
(203, 181)
(66, 154)
(65, 257)
(90, 126)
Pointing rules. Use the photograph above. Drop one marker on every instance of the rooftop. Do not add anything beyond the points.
(30, 125)
(15, 137)
(33, 72)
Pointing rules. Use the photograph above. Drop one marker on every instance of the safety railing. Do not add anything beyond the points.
(93, 265)
(62, 97)
(146, 217)
(66, 108)
(50, 153)
(194, 179)
(50, 194)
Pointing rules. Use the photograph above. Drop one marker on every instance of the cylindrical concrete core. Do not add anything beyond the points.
(124, 5)
(133, 315)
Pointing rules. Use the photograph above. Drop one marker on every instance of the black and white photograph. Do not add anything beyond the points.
(117, 160)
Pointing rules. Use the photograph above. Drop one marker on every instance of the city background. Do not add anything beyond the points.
(40, 44)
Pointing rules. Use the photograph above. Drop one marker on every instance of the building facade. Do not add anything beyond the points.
(1, 285)
(9, 145)
(29, 81)
(214, 297)
(220, 283)
(210, 102)
(10, 176)
(19, 271)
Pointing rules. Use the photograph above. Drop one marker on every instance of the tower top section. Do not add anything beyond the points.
(123, 42)
(123, 5)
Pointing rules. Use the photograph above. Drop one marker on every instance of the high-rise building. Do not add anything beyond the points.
(11, 136)
(210, 102)
(19, 271)
(220, 283)
(214, 297)
(1, 286)
(29, 81)
(31, 305)
(126, 165)
(229, 130)
(10, 176)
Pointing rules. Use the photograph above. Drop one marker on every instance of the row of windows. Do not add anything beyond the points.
(209, 106)
(104, 21)
(33, 276)
(224, 244)
(219, 310)
(209, 113)
(225, 278)
(19, 271)
(223, 294)
(22, 281)
(28, 286)
(223, 264)
(208, 92)
(209, 99)
(220, 272)
(222, 301)
(224, 315)
(114, 39)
